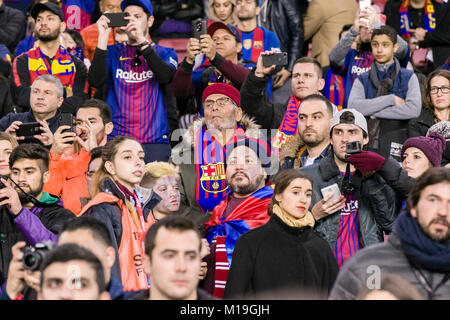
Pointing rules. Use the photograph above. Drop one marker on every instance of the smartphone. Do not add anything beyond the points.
(364, 4)
(278, 59)
(117, 19)
(29, 129)
(199, 28)
(333, 189)
(66, 119)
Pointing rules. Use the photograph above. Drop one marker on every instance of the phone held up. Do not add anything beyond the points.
(278, 59)
(199, 28)
(117, 19)
(29, 129)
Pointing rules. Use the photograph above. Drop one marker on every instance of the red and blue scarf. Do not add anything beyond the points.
(210, 157)
(288, 127)
(405, 25)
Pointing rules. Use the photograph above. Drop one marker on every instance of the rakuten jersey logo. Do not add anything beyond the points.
(358, 70)
(134, 77)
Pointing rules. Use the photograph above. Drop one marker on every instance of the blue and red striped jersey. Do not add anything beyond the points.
(347, 242)
(135, 95)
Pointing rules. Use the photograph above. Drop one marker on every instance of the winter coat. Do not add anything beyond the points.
(183, 155)
(278, 257)
(377, 209)
(33, 226)
(283, 17)
(388, 258)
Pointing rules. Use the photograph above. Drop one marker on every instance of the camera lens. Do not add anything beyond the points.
(31, 261)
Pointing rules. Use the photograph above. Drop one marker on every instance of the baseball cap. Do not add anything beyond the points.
(358, 119)
(220, 25)
(145, 4)
(51, 6)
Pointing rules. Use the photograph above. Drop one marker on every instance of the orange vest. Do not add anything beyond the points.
(131, 255)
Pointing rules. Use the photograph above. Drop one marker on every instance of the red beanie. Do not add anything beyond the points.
(223, 88)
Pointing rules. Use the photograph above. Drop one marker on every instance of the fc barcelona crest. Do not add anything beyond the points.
(257, 45)
(213, 178)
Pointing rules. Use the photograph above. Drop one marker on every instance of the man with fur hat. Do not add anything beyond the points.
(201, 155)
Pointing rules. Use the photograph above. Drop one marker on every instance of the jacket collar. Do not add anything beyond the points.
(328, 167)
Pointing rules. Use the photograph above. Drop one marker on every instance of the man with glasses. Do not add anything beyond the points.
(70, 153)
(135, 75)
(201, 155)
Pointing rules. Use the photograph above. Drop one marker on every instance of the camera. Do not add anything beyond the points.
(199, 27)
(353, 147)
(33, 256)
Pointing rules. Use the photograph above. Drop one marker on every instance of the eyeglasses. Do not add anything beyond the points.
(89, 174)
(444, 90)
(221, 102)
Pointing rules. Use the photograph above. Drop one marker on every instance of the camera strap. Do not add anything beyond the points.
(29, 197)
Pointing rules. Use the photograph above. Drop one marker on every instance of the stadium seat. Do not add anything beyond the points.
(179, 45)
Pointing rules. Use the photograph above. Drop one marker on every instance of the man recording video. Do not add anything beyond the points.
(26, 212)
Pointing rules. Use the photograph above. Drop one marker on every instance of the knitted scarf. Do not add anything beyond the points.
(307, 220)
(405, 24)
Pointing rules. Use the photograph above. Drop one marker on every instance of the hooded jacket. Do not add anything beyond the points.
(33, 225)
(183, 156)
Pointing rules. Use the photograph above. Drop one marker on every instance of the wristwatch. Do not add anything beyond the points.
(143, 44)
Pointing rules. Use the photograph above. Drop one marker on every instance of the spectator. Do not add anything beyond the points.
(6, 101)
(134, 74)
(161, 178)
(358, 217)
(201, 155)
(116, 204)
(222, 11)
(170, 243)
(12, 26)
(7, 145)
(284, 253)
(417, 250)
(421, 153)
(46, 59)
(353, 55)
(392, 287)
(322, 24)
(90, 33)
(120, 37)
(93, 235)
(74, 44)
(222, 48)
(389, 94)
(69, 154)
(28, 213)
(306, 80)
(436, 99)
(244, 208)
(426, 26)
(46, 98)
(93, 166)
(59, 284)
(256, 39)
(284, 19)
(312, 143)
(173, 18)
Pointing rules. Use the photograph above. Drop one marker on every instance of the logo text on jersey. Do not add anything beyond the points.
(134, 77)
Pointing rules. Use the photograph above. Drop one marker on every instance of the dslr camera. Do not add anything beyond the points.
(33, 256)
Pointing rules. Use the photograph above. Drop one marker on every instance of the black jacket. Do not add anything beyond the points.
(12, 27)
(283, 17)
(52, 218)
(145, 295)
(276, 258)
(377, 208)
(419, 127)
(438, 40)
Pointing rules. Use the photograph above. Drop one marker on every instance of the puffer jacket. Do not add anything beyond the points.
(183, 155)
(377, 209)
(283, 17)
(390, 259)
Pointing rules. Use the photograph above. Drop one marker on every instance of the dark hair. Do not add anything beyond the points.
(396, 285)
(32, 151)
(173, 222)
(282, 180)
(71, 251)
(386, 30)
(314, 61)
(103, 108)
(76, 36)
(432, 176)
(322, 98)
(427, 87)
(344, 28)
(95, 154)
(96, 227)
(349, 118)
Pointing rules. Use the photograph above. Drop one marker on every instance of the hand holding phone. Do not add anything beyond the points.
(29, 129)
(333, 189)
(199, 28)
(117, 19)
(277, 59)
